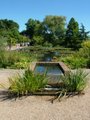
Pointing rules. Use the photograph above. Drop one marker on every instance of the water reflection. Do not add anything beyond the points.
(49, 69)
(49, 56)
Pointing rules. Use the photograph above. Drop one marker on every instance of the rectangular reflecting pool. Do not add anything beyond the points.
(53, 70)
(49, 69)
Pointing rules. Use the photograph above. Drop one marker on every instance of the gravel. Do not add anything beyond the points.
(40, 107)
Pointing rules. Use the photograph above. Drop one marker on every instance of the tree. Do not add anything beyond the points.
(51, 30)
(72, 39)
(83, 33)
(9, 30)
(54, 29)
(8, 24)
(33, 31)
(32, 27)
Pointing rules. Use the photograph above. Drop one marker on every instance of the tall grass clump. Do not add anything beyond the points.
(28, 83)
(73, 83)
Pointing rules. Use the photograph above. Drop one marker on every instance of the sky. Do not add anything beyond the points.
(21, 10)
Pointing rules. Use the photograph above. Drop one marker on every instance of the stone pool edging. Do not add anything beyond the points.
(65, 69)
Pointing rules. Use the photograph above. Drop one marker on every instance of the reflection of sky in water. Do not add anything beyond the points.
(40, 69)
(49, 69)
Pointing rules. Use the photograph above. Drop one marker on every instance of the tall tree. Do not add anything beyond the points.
(32, 27)
(8, 24)
(83, 33)
(72, 39)
(9, 30)
(33, 30)
(54, 28)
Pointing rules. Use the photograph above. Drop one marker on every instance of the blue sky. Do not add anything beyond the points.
(21, 10)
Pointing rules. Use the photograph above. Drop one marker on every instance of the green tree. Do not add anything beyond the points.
(33, 31)
(51, 30)
(83, 33)
(9, 30)
(32, 27)
(72, 39)
(8, 24)
(54, 29)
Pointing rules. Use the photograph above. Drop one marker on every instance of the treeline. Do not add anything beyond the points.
(9, 33)
(52, 31)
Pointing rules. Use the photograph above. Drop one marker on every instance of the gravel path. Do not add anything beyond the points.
(40, 108)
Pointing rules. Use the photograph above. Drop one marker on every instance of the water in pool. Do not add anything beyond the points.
(50, 69)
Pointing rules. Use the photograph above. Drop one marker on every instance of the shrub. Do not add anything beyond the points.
(20, 65)
(84, 52)
(46, 44)
(86, 44)
(75, 62)
(28, 83)
(88, 63)
(81, 58)
(13, 59)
